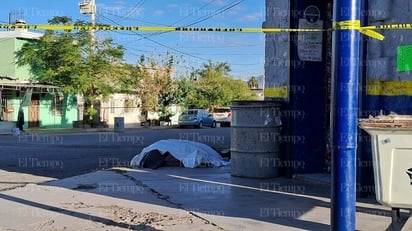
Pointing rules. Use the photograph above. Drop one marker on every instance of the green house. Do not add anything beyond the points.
(44, 106)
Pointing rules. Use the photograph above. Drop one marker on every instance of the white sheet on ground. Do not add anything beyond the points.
(190, 153)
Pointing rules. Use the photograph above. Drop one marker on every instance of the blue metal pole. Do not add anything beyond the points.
(345, 116)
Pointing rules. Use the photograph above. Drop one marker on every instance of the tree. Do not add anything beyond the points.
(214, 69)
(70, 61)
(156, 85)
(253, 83)
(214, 87)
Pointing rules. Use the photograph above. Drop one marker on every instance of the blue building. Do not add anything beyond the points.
(298, 73)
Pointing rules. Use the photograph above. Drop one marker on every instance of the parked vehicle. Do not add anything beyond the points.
(197, 118)
(222, 115)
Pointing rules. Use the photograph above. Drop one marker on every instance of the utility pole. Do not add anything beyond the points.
(93, 20)
(89, 7)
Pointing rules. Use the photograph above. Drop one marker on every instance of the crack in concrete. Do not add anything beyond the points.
(167, 198)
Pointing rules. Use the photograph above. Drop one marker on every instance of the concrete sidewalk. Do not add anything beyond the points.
(174, 199)
(103, 200)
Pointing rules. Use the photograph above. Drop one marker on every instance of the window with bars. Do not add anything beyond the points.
(112, 107)
(57, 105)
(129, 105)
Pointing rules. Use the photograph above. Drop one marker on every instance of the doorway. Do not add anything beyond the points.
(34, 111)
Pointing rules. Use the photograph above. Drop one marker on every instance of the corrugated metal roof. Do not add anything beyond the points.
(20, 34)
(20, 86)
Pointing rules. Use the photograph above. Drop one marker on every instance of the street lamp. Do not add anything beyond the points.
(87, 7)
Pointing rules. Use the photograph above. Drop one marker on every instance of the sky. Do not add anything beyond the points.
(244, 52)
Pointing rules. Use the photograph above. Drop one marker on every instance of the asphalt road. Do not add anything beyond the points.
(61, 155)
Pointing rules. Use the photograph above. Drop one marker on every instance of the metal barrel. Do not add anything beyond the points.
(255, 139)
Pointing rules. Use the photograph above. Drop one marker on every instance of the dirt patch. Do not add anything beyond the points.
(150, 220)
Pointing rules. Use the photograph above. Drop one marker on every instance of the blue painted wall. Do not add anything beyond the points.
(308, 99)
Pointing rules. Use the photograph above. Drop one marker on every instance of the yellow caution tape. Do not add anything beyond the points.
(372, 34)
(402, 26)
(343, 25)
(85, 27)
(347, 25)
(356, 25)
(152, 28)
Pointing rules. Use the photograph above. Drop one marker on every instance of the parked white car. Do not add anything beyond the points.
(222, 115)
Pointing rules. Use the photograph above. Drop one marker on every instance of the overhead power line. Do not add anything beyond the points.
(163, 45)
(199, 20)
(135, 8)
(220, 11)
(195, 11)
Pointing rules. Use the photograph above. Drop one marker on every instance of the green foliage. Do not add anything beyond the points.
(156, 87)
(212, 86)
(91, 112)
(71, 61)
(93, 69)
(129, 78)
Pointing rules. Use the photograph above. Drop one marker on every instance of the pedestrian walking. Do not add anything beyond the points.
(20, 120)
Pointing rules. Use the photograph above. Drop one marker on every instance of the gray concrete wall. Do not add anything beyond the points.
(382, 55)
(277, 54)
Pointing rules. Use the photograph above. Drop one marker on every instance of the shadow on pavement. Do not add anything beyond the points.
(72, 213)
(211, 193)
